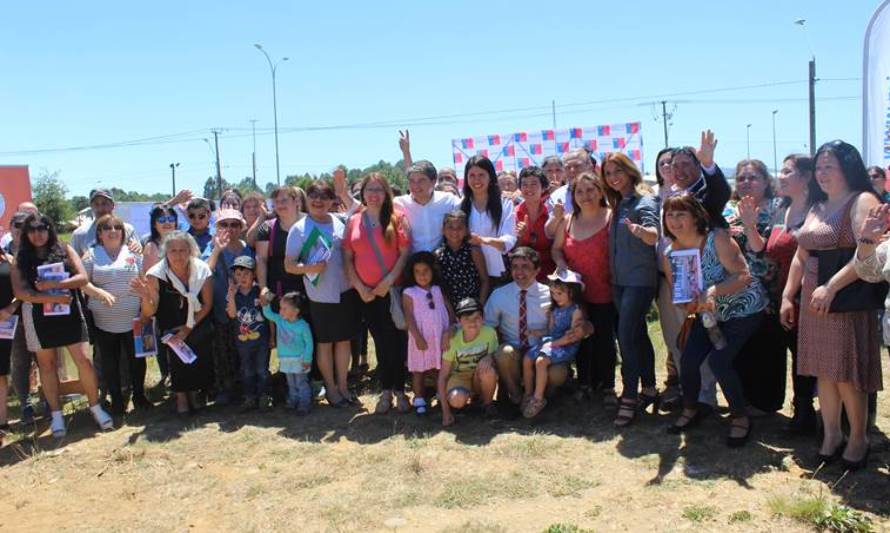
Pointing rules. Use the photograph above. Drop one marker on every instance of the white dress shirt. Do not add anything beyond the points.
(502, 310)
(426, 219)
(482, 225)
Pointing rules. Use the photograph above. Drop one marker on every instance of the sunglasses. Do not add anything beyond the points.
(229, 225)
(39, 228)
(197, 216)
(747, 177)
(166, 219)
(429, 300)
(320, 196)
(18, 225)
(116, 227)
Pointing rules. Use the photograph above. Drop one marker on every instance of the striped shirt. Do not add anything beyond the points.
(113, 276)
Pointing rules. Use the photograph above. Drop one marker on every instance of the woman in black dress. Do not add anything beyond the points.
(179, 292)
(47, 324)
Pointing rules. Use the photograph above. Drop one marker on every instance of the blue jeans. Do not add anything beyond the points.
(299, 391)
(637, 354)
(254, 368)
(699, 347)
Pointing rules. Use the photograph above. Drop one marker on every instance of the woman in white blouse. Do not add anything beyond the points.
(490, 216)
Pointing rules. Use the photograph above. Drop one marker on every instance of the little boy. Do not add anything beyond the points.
(468, 367)
(295, 347)
(198, 211)
(252, 334)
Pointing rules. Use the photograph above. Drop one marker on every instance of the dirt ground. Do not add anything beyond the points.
(348, 470)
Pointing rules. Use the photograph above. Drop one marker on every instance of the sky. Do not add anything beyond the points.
(165, 73)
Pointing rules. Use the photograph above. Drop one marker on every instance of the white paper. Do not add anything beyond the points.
(320, 253)
(180, 348)
(686, 273)
(54, 271)
(144, 340)
(7, 327)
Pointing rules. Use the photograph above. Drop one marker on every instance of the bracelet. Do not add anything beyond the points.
(866, 240)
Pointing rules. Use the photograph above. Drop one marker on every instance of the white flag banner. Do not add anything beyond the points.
(876, 89)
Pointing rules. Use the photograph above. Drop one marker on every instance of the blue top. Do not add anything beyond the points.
(295, 343)
(253, 330)
(633, 262)
(221, 279)
(749, 301)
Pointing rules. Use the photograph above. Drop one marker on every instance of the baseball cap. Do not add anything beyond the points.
(243, 261)
(95, 193)
(467, 306)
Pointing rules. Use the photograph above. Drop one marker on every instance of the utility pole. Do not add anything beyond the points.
(813, 105)
(664, 117)
(553, 110)
(173, 175)
(253, 154)
(748, 139)
(775, 154)
(218, 167)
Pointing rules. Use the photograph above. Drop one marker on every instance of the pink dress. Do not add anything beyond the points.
(431, 323)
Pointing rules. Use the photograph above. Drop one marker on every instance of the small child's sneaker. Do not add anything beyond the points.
(420, 406)
(57, 425)
(102, 417)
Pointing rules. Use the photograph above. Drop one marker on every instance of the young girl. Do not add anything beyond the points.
(427, 315)
(294, 348)
(556, 347)
(462, 265)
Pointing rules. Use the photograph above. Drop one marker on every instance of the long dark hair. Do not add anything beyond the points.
(387, 213)
(803, 164)
(658, 177)
(426, 258)
(27, 259)
(153, 215)
(494, 207)
(852, 167)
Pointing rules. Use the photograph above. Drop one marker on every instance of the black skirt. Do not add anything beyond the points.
(335, 322)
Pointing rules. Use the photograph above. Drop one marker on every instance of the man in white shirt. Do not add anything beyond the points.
(102, 203)
(517, 329)
(424, 207)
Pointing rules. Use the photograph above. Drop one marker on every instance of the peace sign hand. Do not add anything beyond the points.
(405, 142)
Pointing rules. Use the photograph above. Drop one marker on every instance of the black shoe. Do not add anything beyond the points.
(738, 442)
(803, 422)
(822, 458)
(693, 421)
(852, 466)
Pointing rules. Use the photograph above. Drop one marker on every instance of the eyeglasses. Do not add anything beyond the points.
(229, 225)
(38, 229)
(315, 195)
(429, 300)
(197, 216)
(166, 219)
(747, 177)
(116, 227)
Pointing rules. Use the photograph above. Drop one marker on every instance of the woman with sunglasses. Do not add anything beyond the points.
(46, 332)
(110, 266)
(314, 251)
(162, 220)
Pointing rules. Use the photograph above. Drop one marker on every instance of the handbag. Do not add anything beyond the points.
(685, 329)
(395, 293)
(857, 296)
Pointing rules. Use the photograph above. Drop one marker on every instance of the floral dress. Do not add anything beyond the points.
(461, 279)
(760, 264)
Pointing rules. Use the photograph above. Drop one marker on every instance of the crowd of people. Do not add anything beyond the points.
(495, 294)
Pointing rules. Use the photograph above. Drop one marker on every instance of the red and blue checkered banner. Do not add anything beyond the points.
(515, 151)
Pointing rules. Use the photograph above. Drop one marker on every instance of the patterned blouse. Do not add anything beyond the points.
(459, 275)
(761, 265)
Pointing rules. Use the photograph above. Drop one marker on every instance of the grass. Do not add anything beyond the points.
(699, 513)
(566, 528)
(820, 512)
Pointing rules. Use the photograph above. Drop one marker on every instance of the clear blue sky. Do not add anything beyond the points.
(93, 73)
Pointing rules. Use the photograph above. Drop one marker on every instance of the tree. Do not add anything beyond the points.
(79, 202)
(246, 186)
(49, 197)
(211, 191)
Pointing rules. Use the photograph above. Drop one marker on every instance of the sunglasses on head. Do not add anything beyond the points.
(164, 219)
(38, 228)
(109, 227)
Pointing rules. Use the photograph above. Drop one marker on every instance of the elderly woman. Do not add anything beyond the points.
(110, 267)
(751, 216)
(531, 217)
(376, 244)
(840, 348)
(731, 305)
(314, 250)
(179, 292)
(556, 175)
(52, 314)
(633, 234)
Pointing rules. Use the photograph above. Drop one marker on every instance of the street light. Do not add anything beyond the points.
(173, 175)
(812, 84)
(748, 137)
(775, 158)
(273, 67)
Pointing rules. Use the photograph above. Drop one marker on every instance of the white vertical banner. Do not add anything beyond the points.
(876, 89)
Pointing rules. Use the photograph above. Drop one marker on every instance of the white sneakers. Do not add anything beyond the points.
(57, 425)
(102, 418)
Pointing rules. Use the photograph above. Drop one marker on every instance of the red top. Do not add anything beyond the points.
(356, 239)
(590, 258)
(535, 238)
(781, 247)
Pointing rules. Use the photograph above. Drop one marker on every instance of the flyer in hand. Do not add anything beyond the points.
(144, 340)
(54, 271)
(180, 348)
(686, 273)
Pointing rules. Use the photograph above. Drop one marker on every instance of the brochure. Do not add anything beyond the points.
(686, 272)
(180, 348)
(54, 271)
(144, 339)
(7, 327)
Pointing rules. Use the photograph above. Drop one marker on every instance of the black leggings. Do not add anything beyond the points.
(390, 344)
(597, 356)
(111, 347)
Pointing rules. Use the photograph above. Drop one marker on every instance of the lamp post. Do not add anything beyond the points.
(812, 85)
(775, 154)
(748, 138)
(173, 175)
(273, 67)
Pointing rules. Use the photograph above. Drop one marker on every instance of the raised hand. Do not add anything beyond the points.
(559, 210)
(706, 151)
(748, 211)
(140, 286)
(221, 240)
(405, 142)
(876, 222)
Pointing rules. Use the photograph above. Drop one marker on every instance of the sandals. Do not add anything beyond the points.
(650, 399)
(739, 441)
(534, 407)
(627, 412)
(690, 422)
(403, 405)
